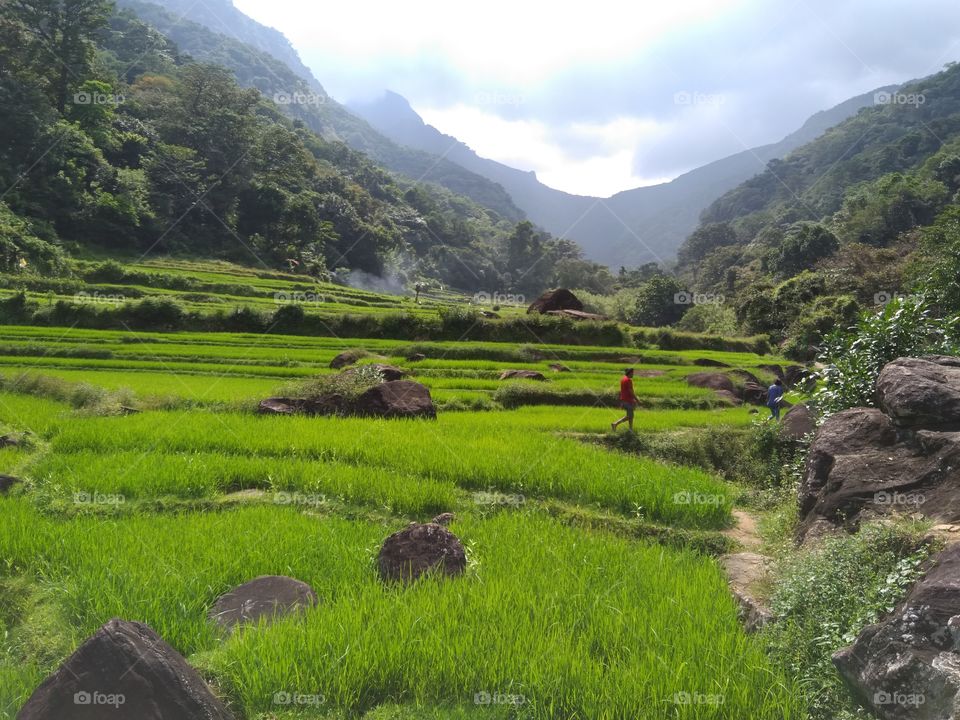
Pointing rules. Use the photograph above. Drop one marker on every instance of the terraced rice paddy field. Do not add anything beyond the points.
(150, 486)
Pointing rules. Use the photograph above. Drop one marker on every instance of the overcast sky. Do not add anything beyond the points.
(602, 96)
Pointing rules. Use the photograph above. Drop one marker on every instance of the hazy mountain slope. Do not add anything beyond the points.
(261, 57)
(633, 226)
(885, 138)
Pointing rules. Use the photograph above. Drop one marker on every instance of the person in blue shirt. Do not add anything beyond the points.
(774, 397)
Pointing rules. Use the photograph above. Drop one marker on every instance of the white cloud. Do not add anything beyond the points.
(534, 145)
(594, 84)
(512, 43)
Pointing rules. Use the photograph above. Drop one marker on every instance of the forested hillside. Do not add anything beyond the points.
(116, 141)
(260, 57)
(867, 212)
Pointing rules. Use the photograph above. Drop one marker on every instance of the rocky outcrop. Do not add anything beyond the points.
(420, 548)
(903, 457)
(559, 299)
(125, 671)
(397, 399)
(392, 399)
(907, 667)
(798, 423)
(267, 597)
(921, 392)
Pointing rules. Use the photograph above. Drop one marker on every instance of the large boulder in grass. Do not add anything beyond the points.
(125, 671)
(907, 667)
(395, 399)
(559, 299)
(420, 548)
(798, 422)
(391, 399)
(522, 375)
(711, 381)
(267, 597)
(921, 392)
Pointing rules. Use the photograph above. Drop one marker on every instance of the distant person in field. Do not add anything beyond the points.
(774, 398)
(628, 400)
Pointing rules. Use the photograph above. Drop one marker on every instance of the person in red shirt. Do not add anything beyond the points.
(628, 400)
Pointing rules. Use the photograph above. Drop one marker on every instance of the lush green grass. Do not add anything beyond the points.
(474, 451)
(582, 626)
(141, 516)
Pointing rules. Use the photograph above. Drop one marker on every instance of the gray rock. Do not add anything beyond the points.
(396, 399)
(907, 667)
(125, 671)
(266, 597)
(419, 548)
(711, 381)
(921, 392)
(798, 422)
(860, 464)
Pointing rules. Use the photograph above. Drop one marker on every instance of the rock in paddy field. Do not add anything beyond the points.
(798, 422)
(124, 671)
(267, 597)
(391, 399)
(397, 399)
(419, 548)
(711, 381)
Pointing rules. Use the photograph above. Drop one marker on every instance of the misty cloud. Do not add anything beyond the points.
(699, 80)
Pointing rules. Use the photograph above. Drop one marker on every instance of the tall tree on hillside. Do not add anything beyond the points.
(60, 36)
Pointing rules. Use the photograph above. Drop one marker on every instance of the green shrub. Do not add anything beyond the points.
(826, 595)
(853, 360)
